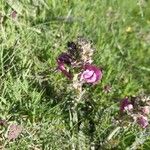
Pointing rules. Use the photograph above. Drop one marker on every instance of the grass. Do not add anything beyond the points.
(34, 96)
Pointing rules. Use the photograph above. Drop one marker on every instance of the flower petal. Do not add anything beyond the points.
(92, 79)
(92, 74)
(88, 74)
(62, 68)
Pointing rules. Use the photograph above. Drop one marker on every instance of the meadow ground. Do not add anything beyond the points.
(32, 35)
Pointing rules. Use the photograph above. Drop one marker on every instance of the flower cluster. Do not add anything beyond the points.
(137, 108)
(76, 62)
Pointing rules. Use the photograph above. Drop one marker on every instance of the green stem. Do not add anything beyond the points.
(74, 126)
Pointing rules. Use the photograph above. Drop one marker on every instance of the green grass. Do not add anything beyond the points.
(33, 95)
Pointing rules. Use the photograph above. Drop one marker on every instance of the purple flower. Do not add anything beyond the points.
(142, 121)
(61, 67)
(91, 74)
(126, 105)
(64, 59)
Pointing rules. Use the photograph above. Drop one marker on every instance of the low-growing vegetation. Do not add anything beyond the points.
(74, 74)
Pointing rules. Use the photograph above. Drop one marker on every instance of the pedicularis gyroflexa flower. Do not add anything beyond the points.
(126, 105)
(137, 109)
(91, 74)
(79, 55)
(63, 60)
(76, 65)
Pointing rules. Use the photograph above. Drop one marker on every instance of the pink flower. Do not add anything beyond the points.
(91, 74)
(61, 67)
(142, 121)
(126, 105)
(146, 110)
